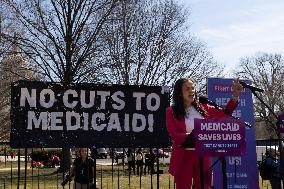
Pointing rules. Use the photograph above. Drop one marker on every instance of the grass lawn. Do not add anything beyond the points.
(8, 164)
(47, 178)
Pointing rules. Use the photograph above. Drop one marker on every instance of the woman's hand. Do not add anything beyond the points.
(237, 88)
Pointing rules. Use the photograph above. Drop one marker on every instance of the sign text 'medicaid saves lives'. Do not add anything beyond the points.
(219, 137)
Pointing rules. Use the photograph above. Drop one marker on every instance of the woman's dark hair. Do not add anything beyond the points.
(178, 107)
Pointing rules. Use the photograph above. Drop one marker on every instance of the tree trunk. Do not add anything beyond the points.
(66, 155)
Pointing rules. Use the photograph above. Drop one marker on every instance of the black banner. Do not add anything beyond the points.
(46, 114)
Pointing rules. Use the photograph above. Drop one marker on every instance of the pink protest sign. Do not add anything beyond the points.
(281, 127)
(219, 137)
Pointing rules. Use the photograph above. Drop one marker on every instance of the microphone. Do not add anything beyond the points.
(252, 88)
(204, 100)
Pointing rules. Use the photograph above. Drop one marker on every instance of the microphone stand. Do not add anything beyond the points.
(201, 173)
(224, 110)
(224, 172)
(223, 163)
(222, 159)
(279, 121)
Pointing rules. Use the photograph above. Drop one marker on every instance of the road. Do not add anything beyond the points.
(107, 161)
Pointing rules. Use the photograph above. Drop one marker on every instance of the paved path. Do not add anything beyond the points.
(2, 158)
(98, 161)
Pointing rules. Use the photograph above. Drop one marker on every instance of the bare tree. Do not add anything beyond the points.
(6, 26)
(114, 41)
(13, 67)
(146, 42)
(60, 37)
(266, 71)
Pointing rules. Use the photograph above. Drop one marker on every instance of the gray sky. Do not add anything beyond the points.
(237, 28)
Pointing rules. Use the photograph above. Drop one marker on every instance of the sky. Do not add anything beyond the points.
(233, 29)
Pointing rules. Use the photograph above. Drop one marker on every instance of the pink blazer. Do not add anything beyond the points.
(177, 132)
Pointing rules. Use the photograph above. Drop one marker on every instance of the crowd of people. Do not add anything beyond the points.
(140, 163)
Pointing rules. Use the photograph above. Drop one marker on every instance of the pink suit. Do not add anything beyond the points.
(184, 163)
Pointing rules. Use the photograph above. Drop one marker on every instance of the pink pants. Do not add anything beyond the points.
(190, 169)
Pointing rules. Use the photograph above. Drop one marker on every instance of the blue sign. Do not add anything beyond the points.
(241, 170)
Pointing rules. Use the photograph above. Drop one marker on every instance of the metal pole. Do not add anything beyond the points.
(223, 160)
(201, 172)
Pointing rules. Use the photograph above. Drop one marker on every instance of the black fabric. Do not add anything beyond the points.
(265, 170)
(189, 141)
(28, 134)
(83, 170)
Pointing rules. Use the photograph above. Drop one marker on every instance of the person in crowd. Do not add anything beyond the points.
(149, 162)
(36, 164)
(55, 160)
(139, 161)
(115, 155)
(13, 154)
(184, 163)
(83, 171)
(130, 161)
(46, 160)
(274, 164)
(6, 153)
